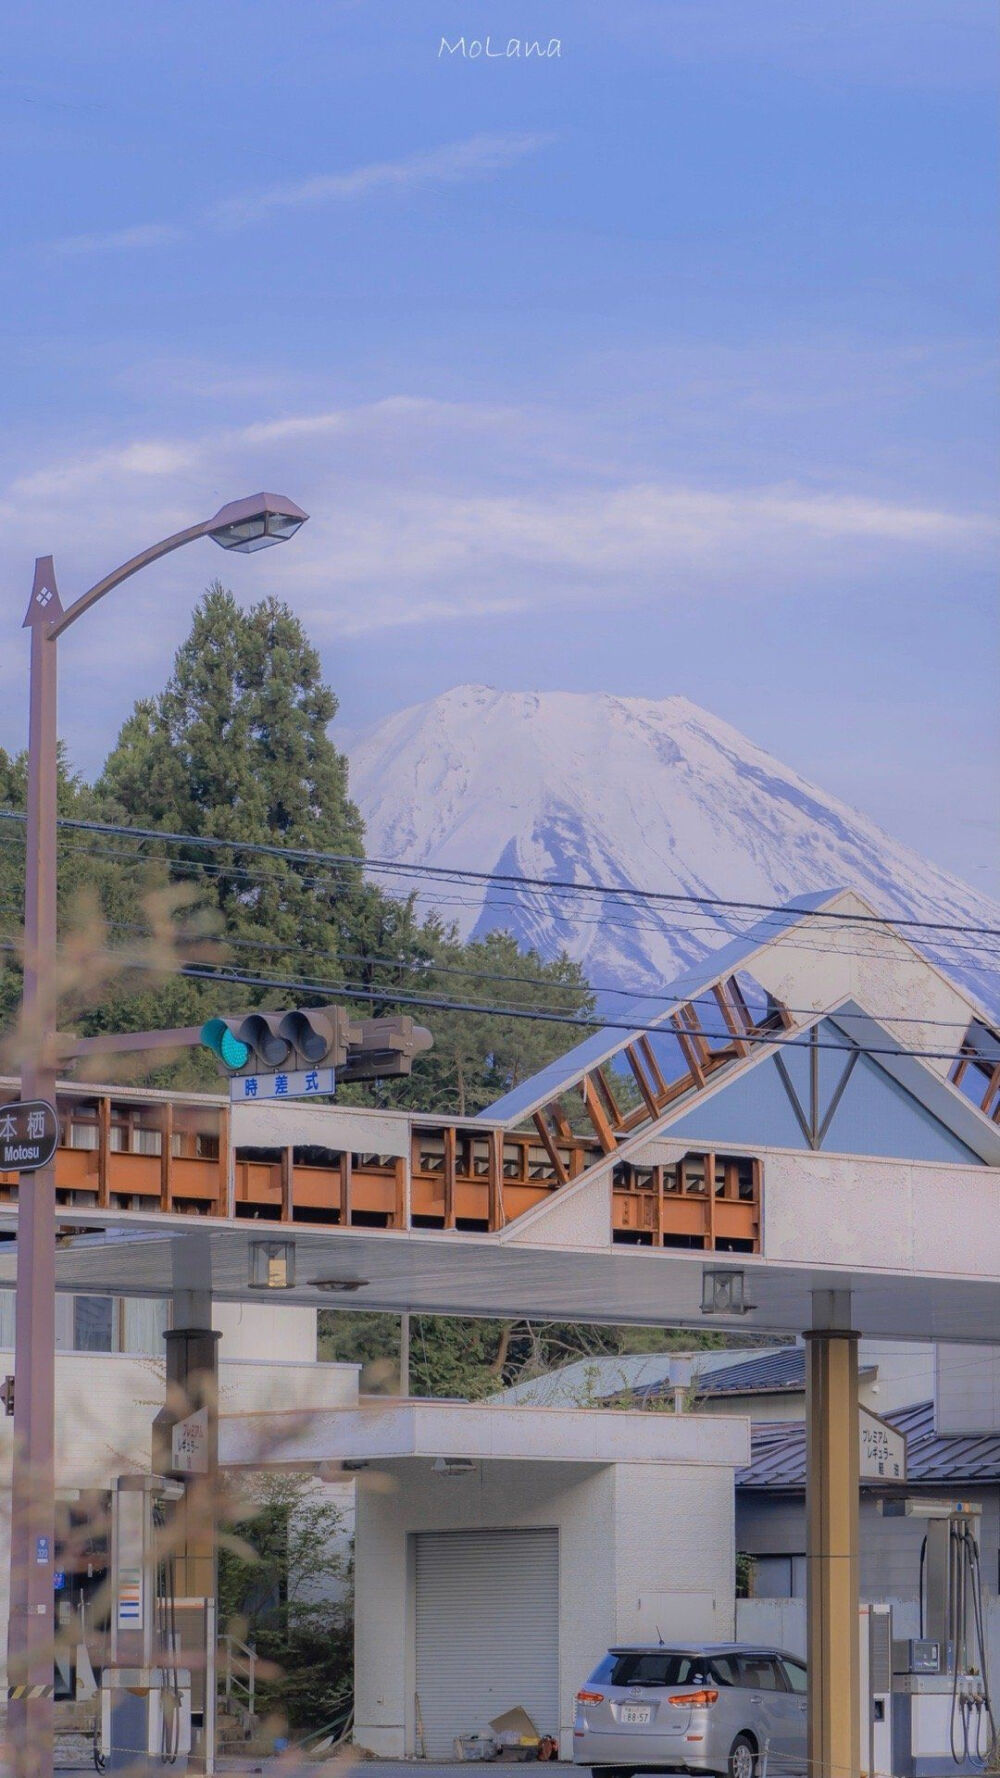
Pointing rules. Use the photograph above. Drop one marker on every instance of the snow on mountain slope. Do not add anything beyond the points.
(630, 792)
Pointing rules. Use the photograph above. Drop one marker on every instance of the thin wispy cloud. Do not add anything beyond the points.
(475, 158)
(438, 166)
(468, 533)
(123, 240)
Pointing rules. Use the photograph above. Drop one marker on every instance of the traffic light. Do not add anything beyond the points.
(314, 1037)
(263, 1042)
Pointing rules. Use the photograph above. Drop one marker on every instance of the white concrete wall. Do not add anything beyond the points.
(286, 1123)
(788, 1405)
(891, 1216)
(675, 1561)
(263, 1330)
(968, 1389)
(875, 966)
(780, 1622)
(905, 1374)
(632, 1539)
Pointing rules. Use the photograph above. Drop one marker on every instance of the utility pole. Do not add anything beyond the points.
(31, 1632)
(244, 525)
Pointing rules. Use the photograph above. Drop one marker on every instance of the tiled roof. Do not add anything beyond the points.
(775, 1370)
(778, 1453)
(769, 1373)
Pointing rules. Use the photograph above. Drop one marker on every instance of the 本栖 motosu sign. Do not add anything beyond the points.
(29, 1135)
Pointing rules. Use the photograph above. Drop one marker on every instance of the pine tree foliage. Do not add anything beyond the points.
(236, 748)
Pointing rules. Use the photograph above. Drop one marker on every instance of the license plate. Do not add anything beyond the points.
(635, 1713)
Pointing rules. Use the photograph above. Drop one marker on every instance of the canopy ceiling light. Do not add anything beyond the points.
(272, 1265)
(346, 1284)
(256, 523)
(724, 1293)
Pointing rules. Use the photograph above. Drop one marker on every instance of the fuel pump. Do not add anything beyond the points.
(145, 1719)
(875, 1649)
(943, 1721)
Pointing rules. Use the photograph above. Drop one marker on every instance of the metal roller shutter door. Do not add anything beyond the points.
(487, 1631)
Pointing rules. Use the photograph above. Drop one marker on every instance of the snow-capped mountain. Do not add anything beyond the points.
(637, 793)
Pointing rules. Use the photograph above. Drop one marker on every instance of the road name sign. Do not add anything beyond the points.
(882, 1449)
(301, 1083)
(29, 1135)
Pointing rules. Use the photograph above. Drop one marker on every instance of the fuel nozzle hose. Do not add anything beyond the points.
(170, 1698)
(978, 1736)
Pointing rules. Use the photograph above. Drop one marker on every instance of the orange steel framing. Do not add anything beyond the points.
(173, 1153)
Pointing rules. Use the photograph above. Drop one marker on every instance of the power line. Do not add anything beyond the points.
(713, 926)
(197, 972)
(506, 879)
(430, 966)
(789, 943)
(604, 920)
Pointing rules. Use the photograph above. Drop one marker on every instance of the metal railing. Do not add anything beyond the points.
(238, 1680)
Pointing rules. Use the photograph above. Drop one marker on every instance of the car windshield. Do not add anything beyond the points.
(659, 1666)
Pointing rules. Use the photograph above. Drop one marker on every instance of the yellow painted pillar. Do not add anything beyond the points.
(832, 1539)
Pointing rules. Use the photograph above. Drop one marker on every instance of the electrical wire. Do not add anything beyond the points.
(727, 924)
(950, 947)
(465, 874)
(580, 1021)
(431, 967)
(428, 1002)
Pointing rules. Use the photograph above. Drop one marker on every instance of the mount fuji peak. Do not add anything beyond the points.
(634, 793)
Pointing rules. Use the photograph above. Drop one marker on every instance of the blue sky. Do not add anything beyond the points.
(666, 364)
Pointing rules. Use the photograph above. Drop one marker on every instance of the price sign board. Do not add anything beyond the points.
(29, 1135)
(189, 1444)
(882, 1449)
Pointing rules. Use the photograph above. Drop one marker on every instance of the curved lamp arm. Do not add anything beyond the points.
(243, 525)
(86, 600)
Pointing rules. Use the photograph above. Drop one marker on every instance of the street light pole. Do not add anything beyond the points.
(245, 526)
(30, 1637)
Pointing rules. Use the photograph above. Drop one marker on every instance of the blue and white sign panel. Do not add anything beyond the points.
(302, 1083)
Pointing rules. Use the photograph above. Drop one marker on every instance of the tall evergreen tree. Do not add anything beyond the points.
(236, 748)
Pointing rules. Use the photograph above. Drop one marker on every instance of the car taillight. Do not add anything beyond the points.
(590, 1697)
(694, 1699)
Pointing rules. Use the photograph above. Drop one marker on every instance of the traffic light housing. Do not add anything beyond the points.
(379, 1048)
(312, 1037)
(263, 1042)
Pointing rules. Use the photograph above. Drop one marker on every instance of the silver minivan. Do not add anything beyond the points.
(706, 1707)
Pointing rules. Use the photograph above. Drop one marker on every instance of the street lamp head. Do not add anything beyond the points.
(256, 523)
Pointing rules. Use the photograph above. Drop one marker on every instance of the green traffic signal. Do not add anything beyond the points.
(217, 1037)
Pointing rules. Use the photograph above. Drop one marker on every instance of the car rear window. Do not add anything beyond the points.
(657, 1666)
